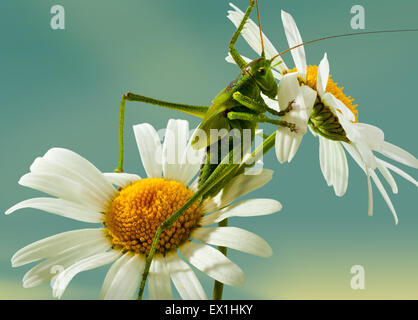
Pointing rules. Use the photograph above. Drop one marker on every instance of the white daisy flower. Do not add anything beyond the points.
(130, 216)
(332, 117)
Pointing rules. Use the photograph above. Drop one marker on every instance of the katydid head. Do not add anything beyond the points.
(260, 70)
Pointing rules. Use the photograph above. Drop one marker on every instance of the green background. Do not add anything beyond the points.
(62, 88)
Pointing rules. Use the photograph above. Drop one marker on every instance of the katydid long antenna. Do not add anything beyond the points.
(259, 27)
(340, 36)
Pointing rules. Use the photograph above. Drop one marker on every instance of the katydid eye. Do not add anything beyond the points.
(262, 71)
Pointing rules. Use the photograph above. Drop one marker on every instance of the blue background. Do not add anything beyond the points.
(62, 88)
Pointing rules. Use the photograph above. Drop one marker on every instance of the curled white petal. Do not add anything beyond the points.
(56, 245)
(60, 207)
(98, 260)
(245, 208)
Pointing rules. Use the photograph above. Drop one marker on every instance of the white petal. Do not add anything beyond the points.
(234, 238)
(245, 208)
(251, 34)
(121, 179)
(55, 245)
(43, 166)
(64, 188)
(49, 268)
(372, 135)
(149, 147)
(388, 176)
(159, 280)
(354, 154)
(271, 103)
(366, 154)
(370, 192)
(229, 59)
(184, 279)
(243, 184)
(341, 171)
(287, 142)
(384, 194)
(398, 154)
(323, 75)
(74, 162)
(333, 165)
(181, 161)
(294, 39)
(174, 148)
(309, 95)
(345, 116)
(60, 207)
(213, 263)
(402, 173)
(123, 278)
(98, 260)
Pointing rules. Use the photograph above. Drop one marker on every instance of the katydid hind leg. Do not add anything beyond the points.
(195, 110)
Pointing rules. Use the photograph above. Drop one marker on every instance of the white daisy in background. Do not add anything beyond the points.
(130, 216)
(331, 115)
(336, 124)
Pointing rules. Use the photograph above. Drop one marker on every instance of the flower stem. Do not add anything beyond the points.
(121, 124)
(219, 286)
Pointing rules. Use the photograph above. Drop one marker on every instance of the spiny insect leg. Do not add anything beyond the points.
(253, 104)
(283, 112)
(233, 115)
(198, 111)
(234, 53)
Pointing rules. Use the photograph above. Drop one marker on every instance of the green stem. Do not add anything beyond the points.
(121, 123)
(218, 287)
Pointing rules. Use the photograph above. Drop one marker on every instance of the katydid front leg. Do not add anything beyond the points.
(260, 106)
(234, 53)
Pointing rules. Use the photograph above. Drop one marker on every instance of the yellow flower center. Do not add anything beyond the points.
(332, 87)
(139, 209)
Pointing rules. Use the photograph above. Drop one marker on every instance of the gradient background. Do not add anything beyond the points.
(62, 88)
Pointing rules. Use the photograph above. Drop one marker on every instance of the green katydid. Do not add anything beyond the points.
(238, 106)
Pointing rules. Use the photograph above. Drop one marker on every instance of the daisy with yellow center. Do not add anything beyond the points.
(130, 210)
(331, 115)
